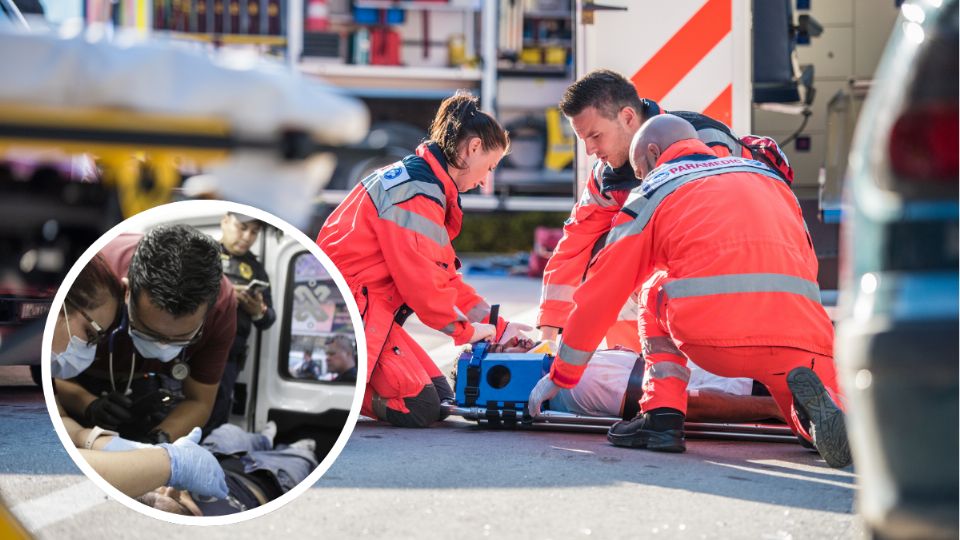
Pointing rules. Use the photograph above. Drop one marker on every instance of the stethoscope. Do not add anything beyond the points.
(124, 326)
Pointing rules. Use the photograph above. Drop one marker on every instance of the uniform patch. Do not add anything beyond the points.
(246, 271)
(393, 174)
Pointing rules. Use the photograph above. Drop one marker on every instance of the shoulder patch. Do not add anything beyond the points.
(393, 174)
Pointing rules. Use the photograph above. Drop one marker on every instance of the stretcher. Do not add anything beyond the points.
(492, 389)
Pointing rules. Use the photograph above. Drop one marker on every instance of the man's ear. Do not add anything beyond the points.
(654, 151)
(125, 286)
(630, 117)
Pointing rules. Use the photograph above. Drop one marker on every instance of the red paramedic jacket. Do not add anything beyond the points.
(730, 235)
(605, 192)
(391, 238)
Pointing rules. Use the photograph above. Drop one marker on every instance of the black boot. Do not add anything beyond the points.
(827, 424)
(446, 395)
(659, 429)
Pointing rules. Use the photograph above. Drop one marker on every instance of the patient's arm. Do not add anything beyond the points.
(133, 473)
(717, 406)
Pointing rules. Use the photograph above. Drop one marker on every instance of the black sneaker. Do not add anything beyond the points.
(660, 430)
(827, 424)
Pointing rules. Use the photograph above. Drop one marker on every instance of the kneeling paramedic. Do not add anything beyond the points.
(391, 238)
(740, 297)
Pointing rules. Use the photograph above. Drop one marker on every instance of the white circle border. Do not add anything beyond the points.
(149, 217)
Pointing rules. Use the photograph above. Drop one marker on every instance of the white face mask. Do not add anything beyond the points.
(148, 348)
(76, 358)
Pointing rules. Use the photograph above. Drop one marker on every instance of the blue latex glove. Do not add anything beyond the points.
(194, 468)
(545, 390)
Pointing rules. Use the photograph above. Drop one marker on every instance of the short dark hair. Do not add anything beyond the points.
(96, 278)
(345, 344)
(603, 89)
(178, 267)
(460, 118)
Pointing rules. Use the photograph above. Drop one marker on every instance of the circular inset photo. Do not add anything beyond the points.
(200, 362)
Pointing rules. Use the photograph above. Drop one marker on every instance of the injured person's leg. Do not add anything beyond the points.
(606, 390)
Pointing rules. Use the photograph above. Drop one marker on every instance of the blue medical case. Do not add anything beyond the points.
(499, 382)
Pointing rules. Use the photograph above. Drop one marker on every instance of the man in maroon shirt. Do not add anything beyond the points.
(156, 377)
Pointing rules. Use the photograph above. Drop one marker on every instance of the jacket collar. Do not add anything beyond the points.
(431, 153)
(619, 179)
(684, 148)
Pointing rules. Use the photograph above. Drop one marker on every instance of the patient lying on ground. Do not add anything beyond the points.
(607, 382)
(256, 472)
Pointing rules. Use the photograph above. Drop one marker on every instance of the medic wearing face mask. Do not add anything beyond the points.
(156, 370)
(90, 308)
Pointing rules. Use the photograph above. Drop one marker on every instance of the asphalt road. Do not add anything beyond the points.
(461, 481)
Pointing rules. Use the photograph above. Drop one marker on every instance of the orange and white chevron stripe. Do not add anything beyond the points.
(685, 54)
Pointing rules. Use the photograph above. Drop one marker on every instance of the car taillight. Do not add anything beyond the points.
(924, 144)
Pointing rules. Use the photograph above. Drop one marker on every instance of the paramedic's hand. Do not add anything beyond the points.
(483, 332)
(513, 330)
(543, 391)
(549, 333)
(109, 411)
(193, 468)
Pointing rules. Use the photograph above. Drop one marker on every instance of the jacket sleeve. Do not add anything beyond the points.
(418, 254)
(468, 301)
(618, 272)
(588, 222)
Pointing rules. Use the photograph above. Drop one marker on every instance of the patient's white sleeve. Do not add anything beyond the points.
(602, 386)
(604, 382)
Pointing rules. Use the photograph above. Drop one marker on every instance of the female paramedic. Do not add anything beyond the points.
(391, 238)
(89, 310)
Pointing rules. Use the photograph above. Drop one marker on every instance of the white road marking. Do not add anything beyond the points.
(65, 503)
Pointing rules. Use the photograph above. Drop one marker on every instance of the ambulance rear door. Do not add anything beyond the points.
(688, 55)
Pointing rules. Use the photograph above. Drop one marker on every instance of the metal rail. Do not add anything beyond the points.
(562, 421)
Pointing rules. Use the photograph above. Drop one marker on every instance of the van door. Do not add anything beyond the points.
(310, 310)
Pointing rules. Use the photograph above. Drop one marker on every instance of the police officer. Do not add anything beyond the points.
(254, 305)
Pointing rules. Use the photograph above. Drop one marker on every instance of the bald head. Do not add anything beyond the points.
(655, 136)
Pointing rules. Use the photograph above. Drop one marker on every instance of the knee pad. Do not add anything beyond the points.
(424, 410)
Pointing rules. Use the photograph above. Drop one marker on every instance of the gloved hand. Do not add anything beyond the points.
(109, 411)
(156, 436)
(483, 332)
(194, 468)
(514, 329)
(544, 390)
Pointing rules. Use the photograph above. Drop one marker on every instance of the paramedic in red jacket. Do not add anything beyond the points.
(605, 112)
(740, 297)
(391, 238)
